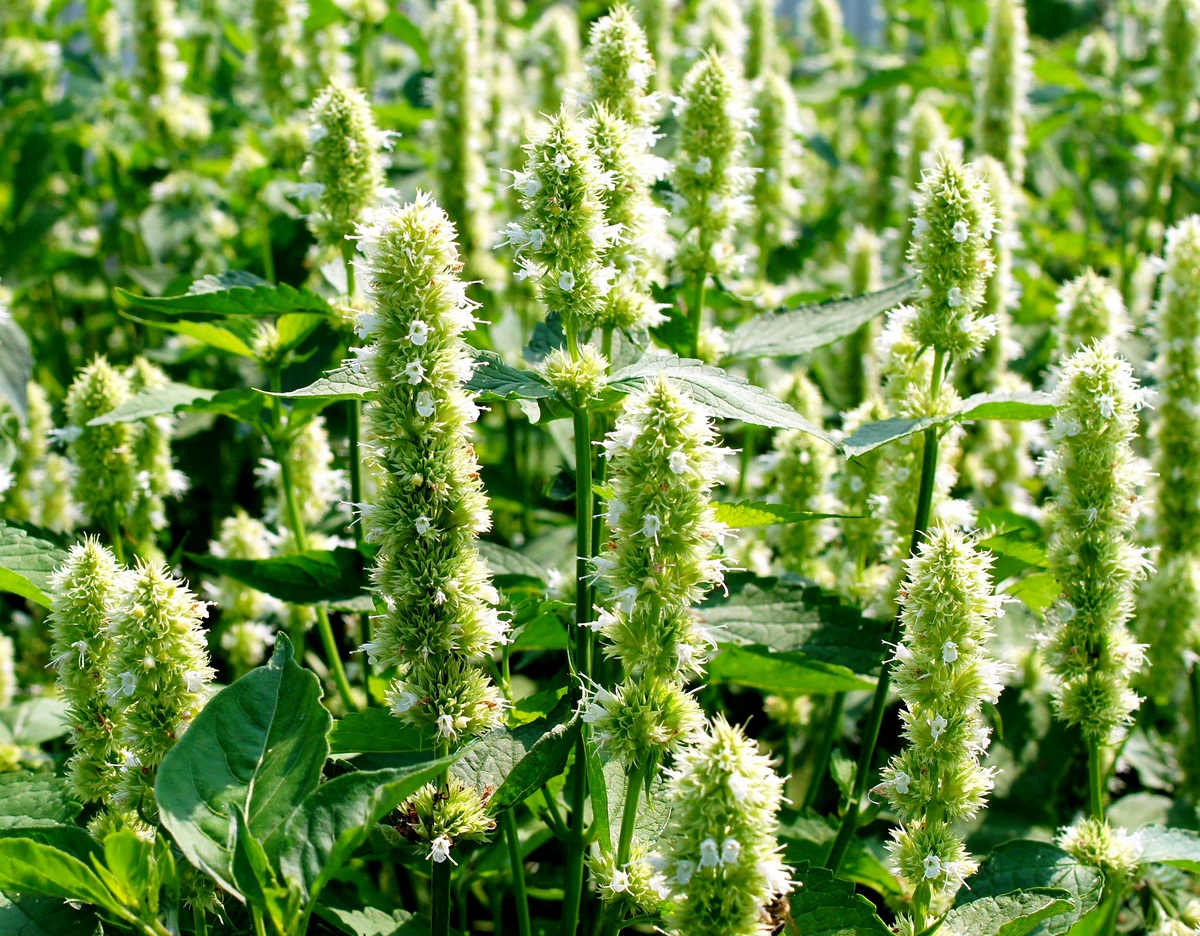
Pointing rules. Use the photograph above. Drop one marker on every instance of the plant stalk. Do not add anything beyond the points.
(264, 241)
(821, 762)
(509, 822)
(439, 883)
(697, 312)
(1095, 779)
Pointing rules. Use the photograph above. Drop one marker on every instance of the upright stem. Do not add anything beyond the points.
(821, 761)
(509, 822)
(439, 884)
(1095, 779)
(697, 311)
(1194, 692)
(259, 928)
(264, 243)
(633, 791)
(875, 720)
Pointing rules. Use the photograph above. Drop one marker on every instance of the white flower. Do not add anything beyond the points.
(128, 684)
(414, 371)
(709, 855)
(949, 651)
(537, 239)
(532, 187)
(445, 726)
(650, 526)
(562, 162)
(619, 883)
(954, 298)
(422, 524)
(616, 510)
(960, 231)
(703, 166)
(1108, 405)
(627, 598)
(193, 681)
(566, 281)
(739, 786)
(684, 869)
(425, 404)
(403, 701)
(418, 332)
(900, 782)
(678, 462)
(937, 726)
(439, 849)
(933, 866)
(731, 848)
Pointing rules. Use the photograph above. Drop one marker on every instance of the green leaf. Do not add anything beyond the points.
(26, 915)
(508, 562)
(744, 514)
(254, 877)
(376, 731)
(725, 395)
(28, 799)
(824, 906)
(785, 673)
(401, 27)
(313, 577)
(28, 557)
(799, 331)
(16, 366)
(796, 617)
(334, 821)
(808, 837)
(1037, 591)
(1179, 848)
(514, 762)
(232, 336)
(371, 921)
(1015, 914)
(155, 401)
(654, 807)
(235, 293)
(493, 379)
(28, 867)
(34, 722)
(1028, 865)
(66, 837)
(257, 747)
(341, 383)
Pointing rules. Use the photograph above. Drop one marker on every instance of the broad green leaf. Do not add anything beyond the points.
(514, 762)
(66, 837)
(1037, 591)
(799, 331)
(824, 906)
(371, 921)
(336, 818)
(1028, 865)
(28, 799)
(347, 382)
(795, 617)
(25, 915)
(495, 380)
(28, 867)
(725, 395)
(317, 576)
(28, 557)
(808, 837)
(746, 514)
(1016, 914)
(16, 365)
(34, 722)
(376, 731)
(401, 27)
(231, 294)
(784, 673)
(254, 877)
(155, 401)
(508, 562)
(1179, 848)
(654, 806)
(257, 747)
(232, 336)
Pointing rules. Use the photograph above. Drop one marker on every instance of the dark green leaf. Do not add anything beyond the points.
(370, 921)
(313, 577)
(653, 812)
(27, 559)
(508, 562)
(257, 747)
(824, 906)
(799, 331)
(341, 383)
(35, 799)
(376, 731)
(493, 379)
(16, 365)
(1179, 848)
(1016, 914)
(784, 673)
(155, 401)
(808, 838)
(26, 915)
(231, 294)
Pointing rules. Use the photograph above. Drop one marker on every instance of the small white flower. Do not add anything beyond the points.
(710, 856)
(933, 867)
(960, 231)
(403, 701)
(937, 726)
(425, 404)
(900, 782)
(650, 526)
(128, 684)
(949, 651)
(422, 524)
(439, 849)
(731, 848)
(562, 162)
(703, 166)
(445, 726)
(616, 510)
(684, 869)
(1108, 405)
(739, 786)
(193, 681)
(620, 882)
(532, 187)
(954, 298)
(678, 462)
(537, 239)
(418, 332)
(566, 281)
(82, 647)
(414, 372)
(627, 598)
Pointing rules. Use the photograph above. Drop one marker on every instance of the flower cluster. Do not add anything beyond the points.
(763, 55)
(1089, 307)
(926, 134)
(719, 27)
(159, 73)
(440, 619)
(459, 96)
(952, 257)
(944, 674)
(245, 612)
(1002, 78)
(827, 27)
(157, 676)
(554, 47)
(156, 477)
(864, 260)
(315, 484)
(664, 462)
(1179, 28)
(437, 818)
(709, 177)
(720, 857)
(278, 58)
(343, 171)
(620, 69)
(1095, 476)
(775, 156)
(564, 240)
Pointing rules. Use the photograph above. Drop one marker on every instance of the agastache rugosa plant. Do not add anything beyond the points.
(1002, 77)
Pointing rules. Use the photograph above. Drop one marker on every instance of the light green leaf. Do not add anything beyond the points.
(371, 921)
(341, 383)
(28, 867)
(746, 514)
(653, 812)
(799, 331)
(1179, 848)
(376, 731)
(155, 401)
(234, 337)
(1037, 591)
(28, 799)
(784, 673)
(16, 366)
(1016, 914)
(34, 722)
(257, 747)
(28, 557)
(824, 906)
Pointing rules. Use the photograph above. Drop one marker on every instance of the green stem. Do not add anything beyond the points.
(821, 762)
(1095, 779)
(256, 916)
(1194, 686)
(199, 921)
(633, 791)
(439, 884)
(866, 755)
(557, 826)
(264, 243)
(353, 445)
(509, 822)
(118, 543)
(697, 311)
(348, 263)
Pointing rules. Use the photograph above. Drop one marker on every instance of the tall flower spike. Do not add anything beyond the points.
(1089, 308)
(103, 455)
(343, 169)
(554, 44)
(158, 676)
(159, 73)
(658, 19)
(157, 478)
(1002, 77)
(926, 134)
(1094, 476)
(952, 258)
(709, 176)
(763, 54)
(827, 28)
(430, 508)
(620, 68)
(1180, 47)
(661, 561)
(278, 59)
(316, 485)
(85, 592)
(944, 674)
(719, 27)
(864, 258)
(460, 104)
(245, 634)
(565, 237)
(22, 501)
(776, 153)
(721, 857)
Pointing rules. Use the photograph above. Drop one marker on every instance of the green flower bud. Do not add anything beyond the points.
(952, 257)
(1095, 476)
(430, 508)
(563, 241)
(775, 154)
(278, 60)
(158, 676)
(1179, 32)
(437, 818)
(579, 379)
(1097, 844)
(85, 593)
(157, 478)
(644, 719)
(926, 135)
(620, 68)
(104, 456)
(1177, 428)
(1003, 71)
(1168, 607)
(554, 48)
(763, 53)
(22, 501)
(8, 673)
(791, 712)
(1089, 307)
(718, 27)
(343, 168)
(709, 178)
(944, 674)
(632, 888)
(459, 96)
(721, 859)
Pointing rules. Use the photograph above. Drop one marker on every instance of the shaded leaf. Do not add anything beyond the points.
(312, 577)
(824, 906)
(16, 365)
(34, 722)
(1179, 848)
(341, 383)
(25, 915)
(371, 921)
(28, 799)
(1015, 914)
(654, 806)
(155, 401)
(784, 673)
(376, 731)
(28, 557)
(808, 837)
(493, 379)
